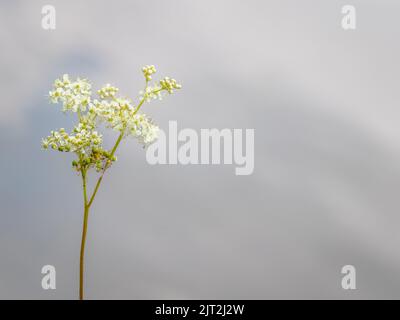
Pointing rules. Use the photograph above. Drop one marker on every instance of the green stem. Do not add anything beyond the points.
(96, 188)
(138, 107)
(84, 231)
(117, 144)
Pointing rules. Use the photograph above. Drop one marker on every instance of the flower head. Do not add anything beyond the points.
(148, 71)
(75, 96)
(143, 128)
(107, 91)
(169, 84)
(117, 113)
(82, 139)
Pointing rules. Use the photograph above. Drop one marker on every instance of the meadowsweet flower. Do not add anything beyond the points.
(118, 113)
(85, 141)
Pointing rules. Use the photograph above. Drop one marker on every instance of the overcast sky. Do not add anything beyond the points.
(324, 104)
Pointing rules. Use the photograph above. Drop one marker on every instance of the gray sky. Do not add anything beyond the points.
(324, 193)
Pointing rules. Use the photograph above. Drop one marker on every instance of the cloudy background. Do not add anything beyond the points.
(324, 104)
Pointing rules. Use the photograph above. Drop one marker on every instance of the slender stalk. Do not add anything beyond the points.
(96, 188)
(87, 204)
(138, 107)
(84, 231)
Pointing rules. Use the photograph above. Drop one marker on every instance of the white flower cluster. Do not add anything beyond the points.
(143, 128)
(151, 93)
(75, 95)
(117, 113)
(156, 92)
(169, 84)
(120, 116)
(148, 71)
(107, 91)
(81, 141)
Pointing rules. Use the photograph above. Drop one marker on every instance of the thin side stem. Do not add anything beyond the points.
(104, 169)
(138, 107)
